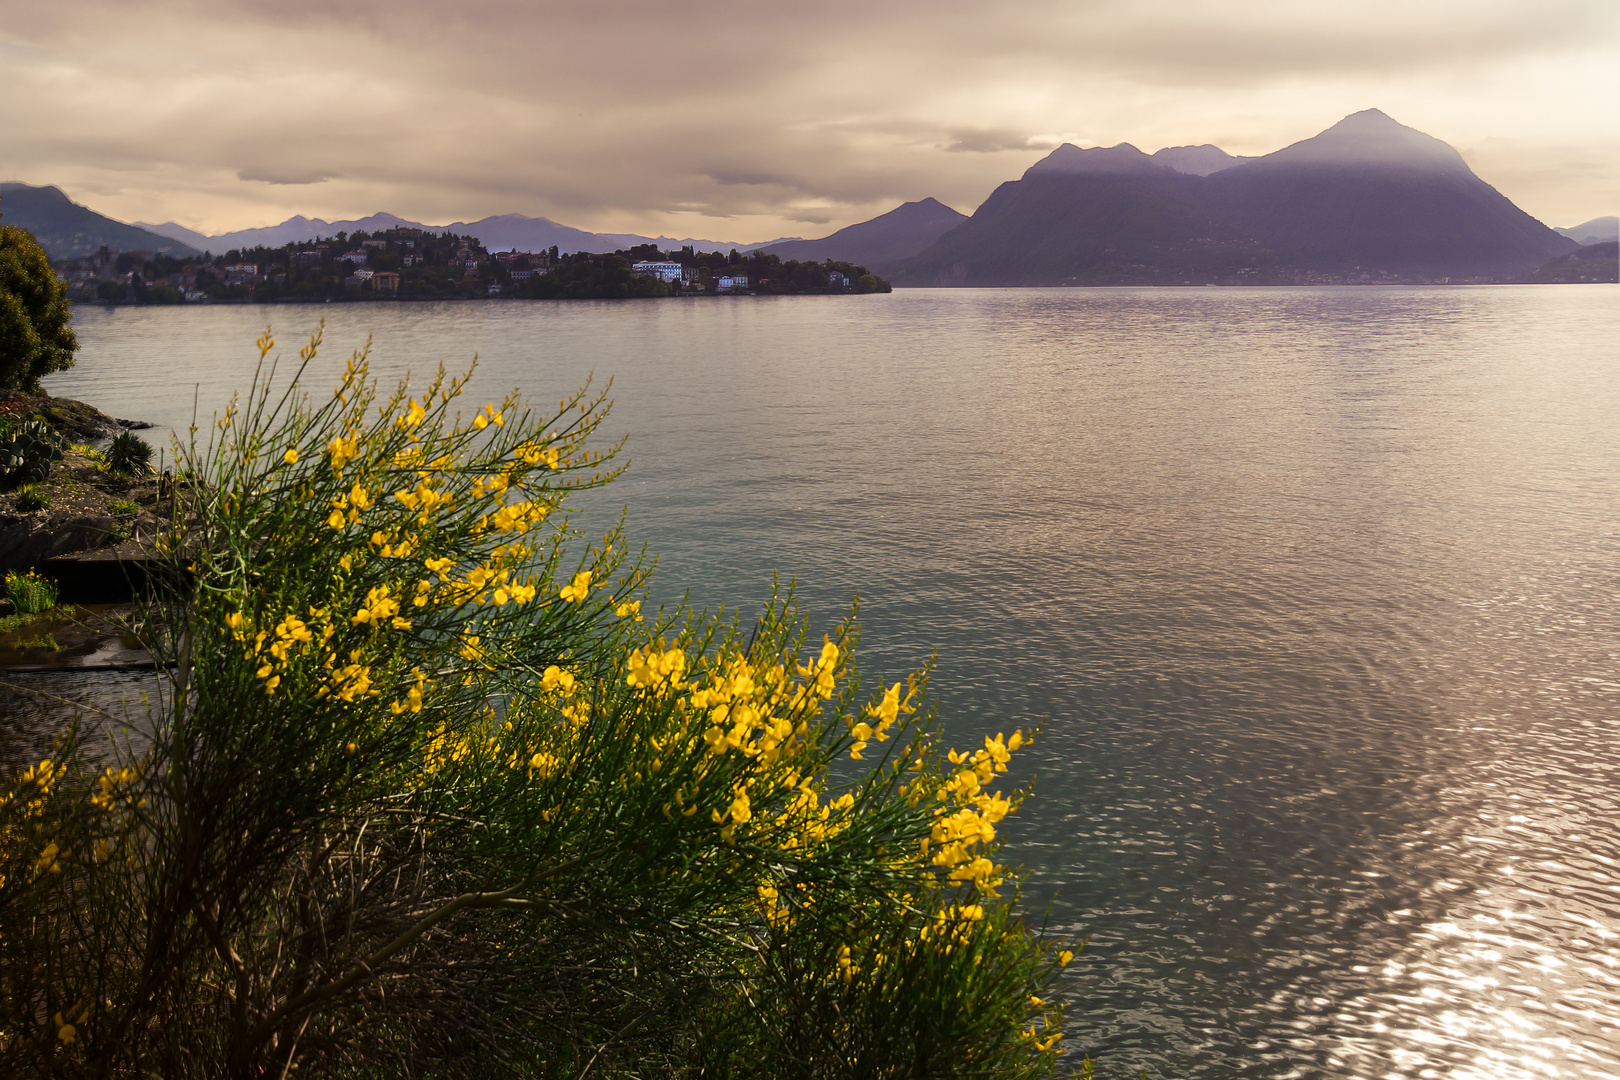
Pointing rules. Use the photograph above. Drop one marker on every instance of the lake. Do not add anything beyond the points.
(1317, 592)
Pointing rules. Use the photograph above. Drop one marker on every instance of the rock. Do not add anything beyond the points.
(73, 420)
(133, 425)
(26, 540)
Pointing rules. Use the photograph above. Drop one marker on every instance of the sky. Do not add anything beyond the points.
(747, 121)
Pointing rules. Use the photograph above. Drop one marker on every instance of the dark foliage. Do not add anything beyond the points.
(129, 454)
(35, 338)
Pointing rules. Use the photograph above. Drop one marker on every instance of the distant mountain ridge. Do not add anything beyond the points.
(67, 230)
(503, 232)
(1197, 160)
(1366, 200)
(898, 234)
(1597, 231)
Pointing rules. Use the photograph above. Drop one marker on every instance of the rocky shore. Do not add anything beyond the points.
(87, 508)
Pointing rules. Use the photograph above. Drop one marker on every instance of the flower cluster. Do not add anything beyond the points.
(967, 814)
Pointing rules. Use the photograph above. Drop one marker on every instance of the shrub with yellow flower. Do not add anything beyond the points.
(424, 793)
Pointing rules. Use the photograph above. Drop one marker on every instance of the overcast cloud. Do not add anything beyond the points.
(744, 121)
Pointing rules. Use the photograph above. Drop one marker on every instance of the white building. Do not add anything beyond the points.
(663, 271)
(732, 281)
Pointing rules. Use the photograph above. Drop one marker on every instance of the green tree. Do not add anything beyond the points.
(35, 338)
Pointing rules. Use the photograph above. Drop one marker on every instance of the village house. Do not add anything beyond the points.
(730, 282)
(385, 281)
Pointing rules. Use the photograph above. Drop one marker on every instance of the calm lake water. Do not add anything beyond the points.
(1317, 591)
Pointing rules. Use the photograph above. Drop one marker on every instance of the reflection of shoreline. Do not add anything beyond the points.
(88, 637)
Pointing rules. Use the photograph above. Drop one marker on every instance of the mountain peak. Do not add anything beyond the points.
(1069, 158)
(1372, 137)
(1197, 160)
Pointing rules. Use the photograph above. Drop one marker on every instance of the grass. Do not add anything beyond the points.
(91, 454)
(124, 506)
(31, 498)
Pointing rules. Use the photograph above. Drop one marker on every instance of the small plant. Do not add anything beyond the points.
(90, 454)
(29, 593)
(29, 451)
(124, 506)
(31, 498)
(129, 454)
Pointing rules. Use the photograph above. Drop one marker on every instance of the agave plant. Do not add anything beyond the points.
(129, 454)
(28, 452)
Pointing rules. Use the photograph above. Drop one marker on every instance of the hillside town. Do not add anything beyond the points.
(416, 264)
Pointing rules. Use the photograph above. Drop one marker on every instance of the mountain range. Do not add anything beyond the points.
(887, 238)
(67, 230)
(504, 232)
(1368, 199)
(1599, 230)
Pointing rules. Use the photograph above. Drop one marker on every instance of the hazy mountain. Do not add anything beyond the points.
(1366, 200)
(1069, 159)
(516, 232)
(292, 231)
(504, 232)
(67, 230)
(1596, 231)
(887, 238)
(670, 243)
(1197, 160)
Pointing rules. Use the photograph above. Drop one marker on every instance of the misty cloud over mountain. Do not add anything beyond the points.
(757, 121)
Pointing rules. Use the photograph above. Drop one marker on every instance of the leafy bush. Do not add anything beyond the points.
(428, 793)
(124, 506)
(129, 454)
(32, 498)
(29, 451)
(35, 338)
(29, 593)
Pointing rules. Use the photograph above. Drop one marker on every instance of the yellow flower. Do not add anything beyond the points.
(378, 606)
(336, 519)
(1064, 957)
(577, 591)
(343, 451)
(291, 458)
(652, 668)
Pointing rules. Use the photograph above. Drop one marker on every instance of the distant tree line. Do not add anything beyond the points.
(411, 264)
